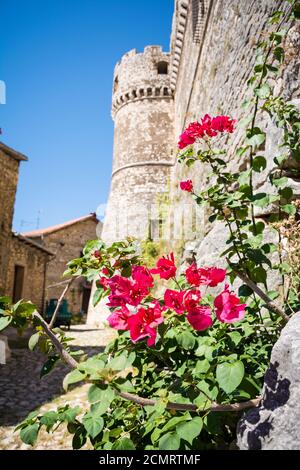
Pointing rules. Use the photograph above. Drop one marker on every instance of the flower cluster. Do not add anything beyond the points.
(135, 310)
(208, 126)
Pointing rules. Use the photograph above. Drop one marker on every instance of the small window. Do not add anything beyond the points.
(162, 68)
(18, 283)
(116, 84)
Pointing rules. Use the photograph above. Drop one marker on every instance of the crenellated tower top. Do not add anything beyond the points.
(140, 76)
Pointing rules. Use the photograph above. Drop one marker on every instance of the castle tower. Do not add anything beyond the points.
(142, 109)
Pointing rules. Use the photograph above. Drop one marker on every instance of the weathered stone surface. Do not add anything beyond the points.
(275, 424)
(4, 349)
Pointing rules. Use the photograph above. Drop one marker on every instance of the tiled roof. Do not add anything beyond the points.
(46, 231)
(12, 153)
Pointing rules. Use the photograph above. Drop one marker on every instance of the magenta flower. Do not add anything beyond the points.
(200, 318)
(174, 300)
(144, 324)
(165, 267)
(228, 307)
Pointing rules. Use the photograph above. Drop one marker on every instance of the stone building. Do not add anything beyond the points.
(66, 241)
(23, 262)
(157, 94)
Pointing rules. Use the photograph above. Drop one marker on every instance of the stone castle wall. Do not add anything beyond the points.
(210, 67)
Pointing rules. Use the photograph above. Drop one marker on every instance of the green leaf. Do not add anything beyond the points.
(256, 140)
(259, 163)
(235, 337)
(79, 438)
(230, 375)
(5, 321)
(93, 424)
(73, 377)
(296, 11)
(123, 444)
(189, 430)
(98, 295)
(49, 365)
(49, 419)
(280, 182)
(286, 193)
(186, 340)
(263, 91)
(289, 209)
(201, 367)
(33, 341)
(93, 245)
(172, 423)
(96, 394)
(70, 414)
(170, 441)
(29, 434)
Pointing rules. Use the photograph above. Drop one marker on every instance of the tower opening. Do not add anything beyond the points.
(162, 68)
(116, 84)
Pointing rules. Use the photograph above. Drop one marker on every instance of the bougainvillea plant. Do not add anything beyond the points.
(185, 362)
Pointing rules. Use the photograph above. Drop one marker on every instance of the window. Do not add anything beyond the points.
(162, 68)
(18, 283)
(116, 84)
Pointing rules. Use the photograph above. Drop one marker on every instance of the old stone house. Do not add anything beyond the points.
(23, 262)
(66, 241)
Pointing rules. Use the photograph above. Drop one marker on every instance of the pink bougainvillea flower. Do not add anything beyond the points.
(206, 126)
(200, 318)
(186, 186)
(192, 275)
(185, 139)
(141, 275)
(211, 276)
(124, 291)
(105, 271)
(119, 319)
(165, 267)
(191, 299)
(193, 132)
(223, 124)
(174, 300)
(204, 276)
(144, 324)
(228, 307)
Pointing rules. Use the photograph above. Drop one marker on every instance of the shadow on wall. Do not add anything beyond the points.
(276, 394)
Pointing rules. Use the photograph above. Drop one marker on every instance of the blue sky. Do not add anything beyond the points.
(57, 59)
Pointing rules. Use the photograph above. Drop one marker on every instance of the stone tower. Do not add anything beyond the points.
(142, 110)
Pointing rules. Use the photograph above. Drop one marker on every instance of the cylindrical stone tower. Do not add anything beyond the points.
(142, 109)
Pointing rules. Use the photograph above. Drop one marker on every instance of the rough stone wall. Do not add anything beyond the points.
(67, 244)
(9, 173)
(34, 261)
(275, 424)
(211, 75)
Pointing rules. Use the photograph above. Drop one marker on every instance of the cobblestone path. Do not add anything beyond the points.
(22, 390)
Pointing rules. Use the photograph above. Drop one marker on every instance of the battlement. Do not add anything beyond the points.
(141, 75)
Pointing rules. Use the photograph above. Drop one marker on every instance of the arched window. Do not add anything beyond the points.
(116, 84)
(198, 12)
(162, 68)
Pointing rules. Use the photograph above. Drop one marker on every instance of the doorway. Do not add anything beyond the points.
(18, 283)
